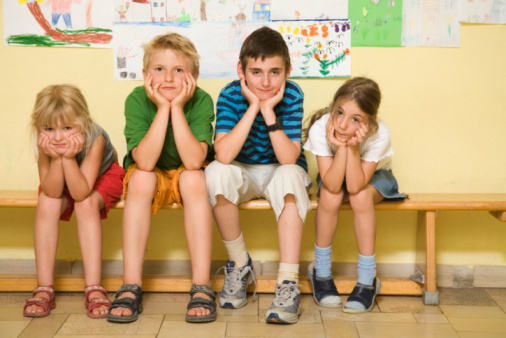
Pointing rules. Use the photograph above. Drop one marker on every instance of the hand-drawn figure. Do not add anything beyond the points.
(122, 10)
(61, 8)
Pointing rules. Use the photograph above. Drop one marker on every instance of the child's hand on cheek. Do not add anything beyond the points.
(271, 102)
(76, 145)
(189, 86)
(360, 134)
(331, 134)
(44, 146)
(153, 92)
(247, 93)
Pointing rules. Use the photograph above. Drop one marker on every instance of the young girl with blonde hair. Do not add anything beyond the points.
(353, 151)
(78, 170)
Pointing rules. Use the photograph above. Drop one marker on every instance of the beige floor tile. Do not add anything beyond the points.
(164, 297)
(238, 319)
(308, 303)
(369, 317)
(405, 304)
(172, 308)
(69, 307)
(479, 324)
(340, 330)
(429, 318)
(395, 330)
(481, 334)
(273, 330)
(103, 336)
(463, 311)
(14, 299)
(44, 327)
(464, 296)
(81, 324)
(499, 296)
(12, 314)
(12, 329)
(171, 329)
(307, 317)
(174, 318)
(145, 325)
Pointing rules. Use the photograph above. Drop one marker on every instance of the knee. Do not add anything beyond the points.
(330, 201)
(286, 172)
(86, 206)
(142, 183)
(193, 182)
(361, 201)
(49, 205)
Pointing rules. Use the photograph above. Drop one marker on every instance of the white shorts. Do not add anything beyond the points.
(239, 182)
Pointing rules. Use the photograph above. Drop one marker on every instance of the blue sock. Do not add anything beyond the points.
(322, 262)
(366, 269)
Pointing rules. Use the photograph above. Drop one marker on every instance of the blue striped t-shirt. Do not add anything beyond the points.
(257, 149)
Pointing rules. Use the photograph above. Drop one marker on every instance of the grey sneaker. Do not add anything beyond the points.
(285, 308)
(233, 294)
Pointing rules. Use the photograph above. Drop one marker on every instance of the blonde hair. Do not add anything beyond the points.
(63, 104)
(366, 94)
(175, 42)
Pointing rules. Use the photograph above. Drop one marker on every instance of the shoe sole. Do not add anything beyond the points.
(378, 288)
(310, 275)
(274, 318)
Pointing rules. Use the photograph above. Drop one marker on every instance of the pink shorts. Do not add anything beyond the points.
(109, 185)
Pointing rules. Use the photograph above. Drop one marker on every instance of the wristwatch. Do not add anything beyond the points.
(276, 126)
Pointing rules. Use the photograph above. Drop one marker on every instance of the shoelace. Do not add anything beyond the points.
(233, 277)
(285, 293)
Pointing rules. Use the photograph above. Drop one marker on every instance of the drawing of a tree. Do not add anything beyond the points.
(203, 10)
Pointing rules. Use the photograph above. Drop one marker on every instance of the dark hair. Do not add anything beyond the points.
(263, 43)
(366, 94)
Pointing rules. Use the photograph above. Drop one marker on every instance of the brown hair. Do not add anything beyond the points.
(366, 94)
(263, 43)
(177, 43)
(61, 104)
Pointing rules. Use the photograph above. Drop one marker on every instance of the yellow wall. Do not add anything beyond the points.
(445, 108)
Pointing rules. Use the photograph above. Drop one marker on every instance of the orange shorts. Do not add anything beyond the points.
(168, 187)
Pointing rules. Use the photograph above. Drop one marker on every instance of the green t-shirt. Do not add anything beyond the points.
(140, 112)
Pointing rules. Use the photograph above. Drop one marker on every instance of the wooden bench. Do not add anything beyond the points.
(423, 283)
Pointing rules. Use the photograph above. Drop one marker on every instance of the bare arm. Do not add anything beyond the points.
(81, 179)
(50, 168)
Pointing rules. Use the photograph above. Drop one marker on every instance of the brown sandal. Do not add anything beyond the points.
(44, 303)
(93, 303)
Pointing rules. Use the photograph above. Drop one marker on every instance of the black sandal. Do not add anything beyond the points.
(323, 288)
(365, 295)
(134, 304)
(202, 302)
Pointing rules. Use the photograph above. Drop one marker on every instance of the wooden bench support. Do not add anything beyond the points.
(174, 283)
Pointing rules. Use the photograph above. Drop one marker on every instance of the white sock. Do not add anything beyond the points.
(236, 250)
(288, 272)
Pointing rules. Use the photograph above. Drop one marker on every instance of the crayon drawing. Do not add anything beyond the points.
(309, 10)
(376, 23)
(483, 11)
(431, 23)
(85, 23)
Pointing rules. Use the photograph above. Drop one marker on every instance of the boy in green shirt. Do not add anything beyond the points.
(169, 138)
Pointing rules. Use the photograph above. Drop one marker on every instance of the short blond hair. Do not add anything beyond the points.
(177, 43)
(63, 104)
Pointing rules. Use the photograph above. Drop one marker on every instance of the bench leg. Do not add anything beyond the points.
(426, 255)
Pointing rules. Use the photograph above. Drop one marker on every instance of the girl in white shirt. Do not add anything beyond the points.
(353, 152)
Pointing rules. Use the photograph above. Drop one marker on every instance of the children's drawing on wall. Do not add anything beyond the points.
(309, 10)
(157, 11)
(483, 11)
(82, 23)
(376, 23)
(431, 23)
(317, 48)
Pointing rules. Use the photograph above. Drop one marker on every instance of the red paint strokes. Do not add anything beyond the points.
(59, 36)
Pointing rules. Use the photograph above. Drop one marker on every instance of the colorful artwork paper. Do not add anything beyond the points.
(483, 11)
(309, 10)
(375, 23)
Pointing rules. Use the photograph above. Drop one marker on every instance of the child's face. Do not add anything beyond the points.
(168, 68)
(58, 135)
(348, 118)
(264, 78)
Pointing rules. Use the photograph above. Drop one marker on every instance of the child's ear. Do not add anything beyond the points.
(144, 74)
(239, 70)
(287, 75)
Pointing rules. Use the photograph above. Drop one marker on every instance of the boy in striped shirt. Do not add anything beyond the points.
(259, 155)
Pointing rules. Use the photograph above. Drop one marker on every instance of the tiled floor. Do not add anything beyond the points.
(462, 313)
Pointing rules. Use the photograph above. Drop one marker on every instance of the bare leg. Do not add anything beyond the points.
(198, 223)
(142, 188)
(227, 218)
(290, 229)
(45, 240)
(89, 227)
(327, 216)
